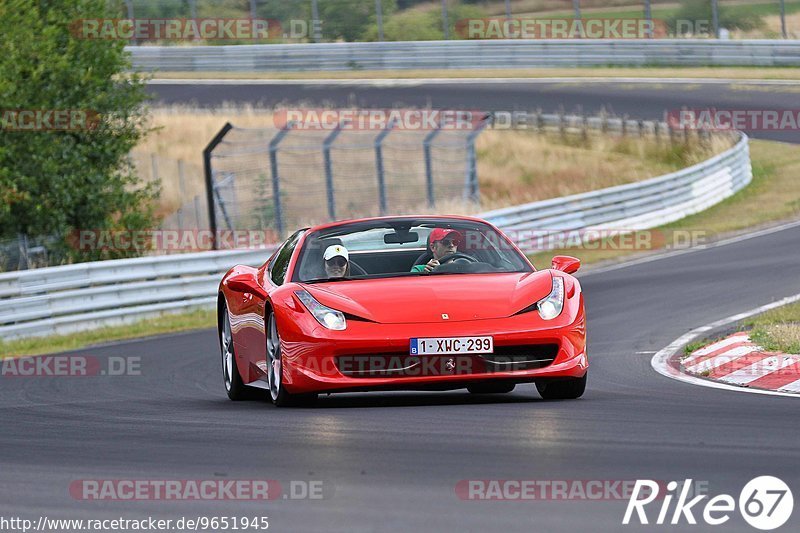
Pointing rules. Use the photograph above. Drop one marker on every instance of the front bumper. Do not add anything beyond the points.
(320, 360)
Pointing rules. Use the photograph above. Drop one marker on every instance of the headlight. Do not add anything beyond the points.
(330, 318)
(551, 305)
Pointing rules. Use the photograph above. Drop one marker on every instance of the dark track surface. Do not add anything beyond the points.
(638, 100)
(390, 461)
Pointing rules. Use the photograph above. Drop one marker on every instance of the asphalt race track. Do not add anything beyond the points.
(644, 101)
(391, 461)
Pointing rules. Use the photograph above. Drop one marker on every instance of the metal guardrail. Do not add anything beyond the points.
(72, 297)
(634, 206)
(466, 54)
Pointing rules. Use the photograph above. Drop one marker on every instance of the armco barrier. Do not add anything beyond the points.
(68, 298)
(466, 54)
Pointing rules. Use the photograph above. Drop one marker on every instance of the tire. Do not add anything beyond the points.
(491, 388)
(234, 385)
(567, 389)
(277, 392)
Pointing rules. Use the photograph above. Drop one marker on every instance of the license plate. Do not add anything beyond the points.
(451, 345)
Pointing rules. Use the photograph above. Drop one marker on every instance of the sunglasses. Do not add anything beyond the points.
(449, 242)
(337, 262)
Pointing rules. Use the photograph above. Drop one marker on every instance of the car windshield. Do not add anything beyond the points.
(393, 247)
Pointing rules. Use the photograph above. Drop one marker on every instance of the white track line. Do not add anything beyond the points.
(794, 386)
(660, 361)
(413, 82)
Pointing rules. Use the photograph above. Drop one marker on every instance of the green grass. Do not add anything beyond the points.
(168, 323)
(777, 330)
(763, 8)
(694, 346)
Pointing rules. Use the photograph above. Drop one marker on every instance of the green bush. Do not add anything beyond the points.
(54, 182)
(422, 24)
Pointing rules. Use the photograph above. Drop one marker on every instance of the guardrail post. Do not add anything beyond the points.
(209, 175)
(326, 152)
(426, 148)
(379, 167)
(471, 190)
(276, 181)
(445, 22)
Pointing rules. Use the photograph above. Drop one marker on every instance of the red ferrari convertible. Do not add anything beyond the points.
(414, 303)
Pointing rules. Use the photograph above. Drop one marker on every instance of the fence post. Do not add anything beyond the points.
(154, 166)
(472, 191)
(209, 175)
(426, 147)
(129, 4)
(22, 243)
(315, 21)
(326, 153)
(182, 187)
(379, 167)
(276, 181)
(445, 22)
(379, 17)
(221, 200)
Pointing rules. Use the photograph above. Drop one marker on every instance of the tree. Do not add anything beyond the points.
(55, 182)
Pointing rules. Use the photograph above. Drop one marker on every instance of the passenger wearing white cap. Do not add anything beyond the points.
(337, 261)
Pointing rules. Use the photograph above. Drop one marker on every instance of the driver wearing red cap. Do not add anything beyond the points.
(443, 242)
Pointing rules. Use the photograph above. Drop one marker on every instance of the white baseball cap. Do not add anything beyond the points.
(336, 250)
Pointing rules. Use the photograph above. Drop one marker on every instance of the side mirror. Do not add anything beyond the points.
(246, 283)
(566, 263)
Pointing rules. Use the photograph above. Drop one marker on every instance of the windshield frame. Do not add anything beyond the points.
(506, 246)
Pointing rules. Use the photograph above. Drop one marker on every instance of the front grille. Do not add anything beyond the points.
(504, 359)
(520, 357)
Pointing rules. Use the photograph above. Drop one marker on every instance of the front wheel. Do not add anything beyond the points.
(566, 389)
(234, 385)
(277, 392)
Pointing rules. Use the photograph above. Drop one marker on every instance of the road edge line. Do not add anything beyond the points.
(660, 361)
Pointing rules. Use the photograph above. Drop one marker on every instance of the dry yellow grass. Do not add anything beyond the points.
(514, 166)
(772, 28)
(180, 134)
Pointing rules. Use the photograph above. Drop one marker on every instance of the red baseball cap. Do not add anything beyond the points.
(440, 233)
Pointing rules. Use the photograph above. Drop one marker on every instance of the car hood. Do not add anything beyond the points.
(419, 299)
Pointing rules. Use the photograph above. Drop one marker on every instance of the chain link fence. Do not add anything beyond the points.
(274, 179)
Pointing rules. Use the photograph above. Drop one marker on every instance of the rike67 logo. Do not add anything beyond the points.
(765, 503)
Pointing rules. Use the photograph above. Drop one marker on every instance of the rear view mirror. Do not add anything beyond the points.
(566, 263)
(246, 283)
(401, 237)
